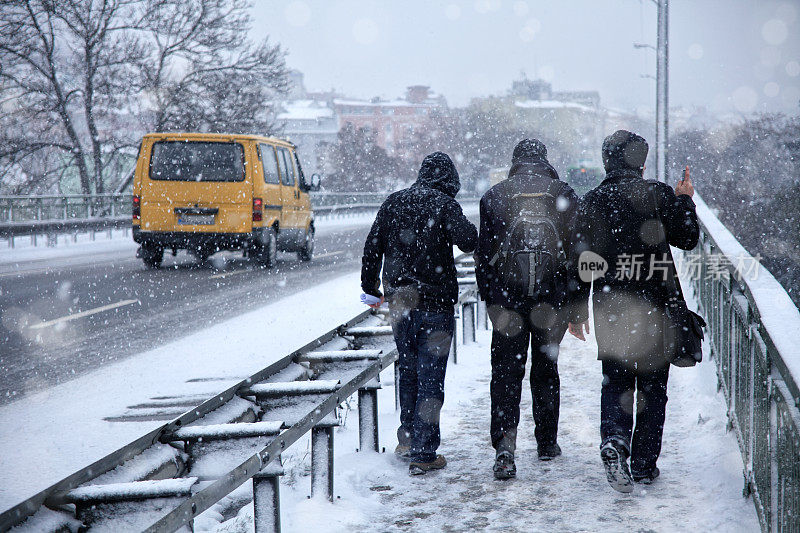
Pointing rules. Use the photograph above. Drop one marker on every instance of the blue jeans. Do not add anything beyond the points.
(423, 344)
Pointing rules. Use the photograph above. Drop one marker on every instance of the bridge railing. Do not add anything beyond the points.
(755, 341)
(63, 207)
(51, 215)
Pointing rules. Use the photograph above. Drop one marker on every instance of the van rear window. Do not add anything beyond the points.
(197, 161)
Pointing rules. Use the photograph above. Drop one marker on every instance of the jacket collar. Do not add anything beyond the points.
(533, 168)
(617, 175)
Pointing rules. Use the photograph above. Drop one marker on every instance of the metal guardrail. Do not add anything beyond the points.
(63, 207)
(748, 338)
(324, 373)
(52, 215)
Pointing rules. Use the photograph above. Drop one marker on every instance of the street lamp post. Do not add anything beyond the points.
(662, 91)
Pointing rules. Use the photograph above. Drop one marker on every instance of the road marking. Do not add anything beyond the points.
(83, 314)
(329, 254)
(231, 273)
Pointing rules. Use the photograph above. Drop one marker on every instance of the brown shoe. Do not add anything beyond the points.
(417, 469)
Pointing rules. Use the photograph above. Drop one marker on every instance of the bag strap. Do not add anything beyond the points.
(673, 284)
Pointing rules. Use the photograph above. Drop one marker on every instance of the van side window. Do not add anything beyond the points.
(271, 174)
(286, 167)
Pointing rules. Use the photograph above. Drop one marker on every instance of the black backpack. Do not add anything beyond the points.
(531, 252)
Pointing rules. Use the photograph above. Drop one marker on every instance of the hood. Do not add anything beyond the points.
(623, 151)
(529, 151)
(438, 172)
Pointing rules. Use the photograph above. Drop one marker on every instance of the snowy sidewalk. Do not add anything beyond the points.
(700, 488)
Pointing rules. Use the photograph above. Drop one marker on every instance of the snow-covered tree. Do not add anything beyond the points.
(81, 80)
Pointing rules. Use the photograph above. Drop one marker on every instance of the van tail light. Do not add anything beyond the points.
(137, 208)
(258, 209)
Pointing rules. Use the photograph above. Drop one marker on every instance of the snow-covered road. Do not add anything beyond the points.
(48, 435)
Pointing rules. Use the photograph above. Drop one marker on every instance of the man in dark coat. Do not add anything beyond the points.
(517, 318)
(626, 220)
(413, 236)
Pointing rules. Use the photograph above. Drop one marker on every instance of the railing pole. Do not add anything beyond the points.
(322, 462)
(468, 321)
(773, 458)
(368, 419)
(483, 316)
(267, 500)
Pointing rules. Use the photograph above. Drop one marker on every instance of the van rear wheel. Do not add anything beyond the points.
(152, 255)
(306, 253)
(267, 249)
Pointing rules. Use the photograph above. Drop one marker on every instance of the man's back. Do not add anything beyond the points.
(497, 217)
(625, 220)
(414, 232)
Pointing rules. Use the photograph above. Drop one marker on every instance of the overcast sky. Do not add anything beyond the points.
(728, 55)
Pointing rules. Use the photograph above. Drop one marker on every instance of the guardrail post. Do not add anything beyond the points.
(468, 321)
(368, 419)
(322, 462)
(483, 315)
(773, 458)
(267, 499)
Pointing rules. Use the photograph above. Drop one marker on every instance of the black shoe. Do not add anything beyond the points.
(616, 464)
(549, 451)
(504, 467)
(646, 478)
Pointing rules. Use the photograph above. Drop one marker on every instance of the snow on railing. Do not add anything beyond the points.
(755, 341)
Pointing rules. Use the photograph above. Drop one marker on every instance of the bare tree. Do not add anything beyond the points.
(202, 72)
(81, 80)
(60, 66)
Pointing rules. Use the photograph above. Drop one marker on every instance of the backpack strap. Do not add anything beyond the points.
(554, 188)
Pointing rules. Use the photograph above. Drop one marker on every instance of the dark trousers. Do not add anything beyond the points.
(513, 331)
(620, 382)
(423, 343)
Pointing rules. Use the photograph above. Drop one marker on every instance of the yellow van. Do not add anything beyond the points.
(209, 192)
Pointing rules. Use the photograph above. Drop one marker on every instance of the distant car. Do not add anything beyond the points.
(583, 179)
(210, 192)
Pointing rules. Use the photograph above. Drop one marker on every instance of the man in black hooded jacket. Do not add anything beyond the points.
(517, 318)
(413, 236)
(628, 221)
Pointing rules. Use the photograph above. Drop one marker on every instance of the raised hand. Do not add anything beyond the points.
(685, 186)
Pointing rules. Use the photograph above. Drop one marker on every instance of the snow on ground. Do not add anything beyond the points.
(700, 487)
(48, 435)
